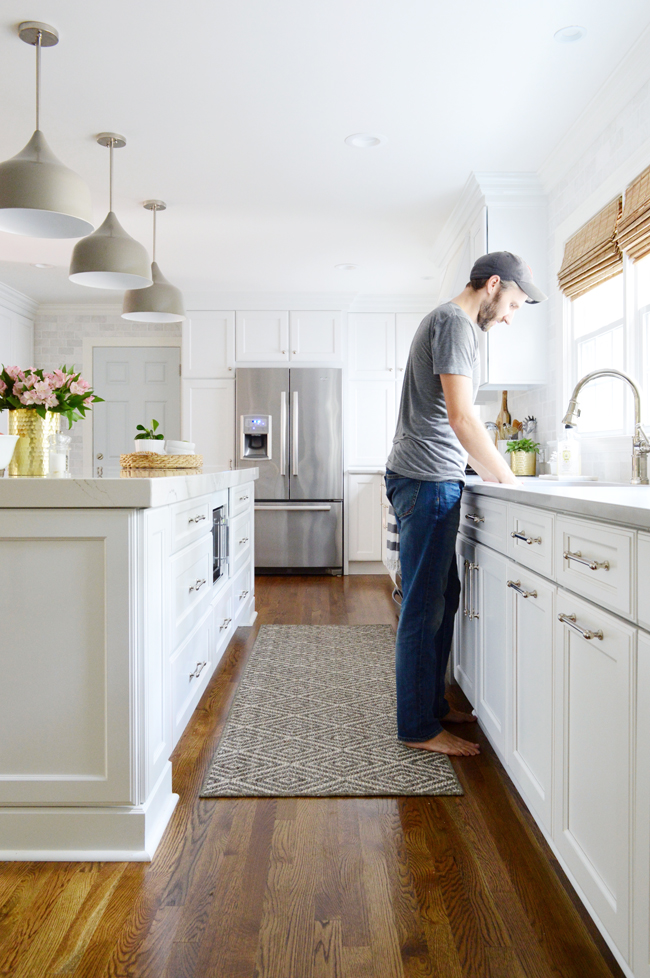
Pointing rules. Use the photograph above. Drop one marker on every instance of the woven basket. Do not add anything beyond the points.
(151, 460)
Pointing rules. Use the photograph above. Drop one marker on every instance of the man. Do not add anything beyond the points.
(436, 431)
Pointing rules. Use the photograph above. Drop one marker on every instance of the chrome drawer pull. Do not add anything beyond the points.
(225, 623)
(196, 519)
(571, 621)
(197, 587)
(243, 540)
(472, 614)
(199, 669)
(516, 586)
(474, 518)
(465, 608)
(591, 564)
(522, 536)
(242, 499)
(242, 595)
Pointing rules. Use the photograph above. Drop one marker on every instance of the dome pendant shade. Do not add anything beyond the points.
(109, 258)
(41, 197)
(162, 303)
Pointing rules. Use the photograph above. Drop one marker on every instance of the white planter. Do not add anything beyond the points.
(150, 445)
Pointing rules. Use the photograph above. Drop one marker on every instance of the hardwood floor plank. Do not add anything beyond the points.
(328, 949)
(182, 960)
(28, 910)
(71, 949)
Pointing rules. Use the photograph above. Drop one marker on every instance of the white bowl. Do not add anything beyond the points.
(179, 447)
(7, 445)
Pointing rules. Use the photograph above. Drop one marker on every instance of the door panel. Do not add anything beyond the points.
(261, 391)
(491, 672)
(316, 442)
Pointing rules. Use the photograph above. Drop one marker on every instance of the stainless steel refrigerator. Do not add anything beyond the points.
(289, 425)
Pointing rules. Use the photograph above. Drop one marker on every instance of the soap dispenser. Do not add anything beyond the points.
(568, 453)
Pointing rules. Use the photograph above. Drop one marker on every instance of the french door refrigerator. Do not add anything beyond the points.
(289, 425)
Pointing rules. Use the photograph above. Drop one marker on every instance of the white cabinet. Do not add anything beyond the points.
(466, 636)
(406, 325)
(371, 346)
(208, 345)
(262, 336)
(309, 336)
(208, 419)
(488, 599)
(642, 813)
(529, 746)
(643, 579)
(364, 526)
(315, 336)
(371, 422)
(594, 734)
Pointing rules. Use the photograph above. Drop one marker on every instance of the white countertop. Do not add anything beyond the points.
(130, 492)
(624, 504)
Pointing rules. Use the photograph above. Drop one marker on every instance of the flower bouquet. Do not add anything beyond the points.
(35, 401)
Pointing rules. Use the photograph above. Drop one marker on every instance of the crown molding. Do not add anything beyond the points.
(17, 302)
(80, 309)
(610, 99)
(266, 301)
(396, 303)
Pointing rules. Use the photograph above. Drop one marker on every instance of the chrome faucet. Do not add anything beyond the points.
(640, 443)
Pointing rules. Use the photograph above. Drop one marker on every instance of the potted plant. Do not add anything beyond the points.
(35, 401)
(150, 439)
(523, 456)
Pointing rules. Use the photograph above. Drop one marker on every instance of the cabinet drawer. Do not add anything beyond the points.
(241, 591)
(241, 498)
(530, 538)
(241, 532)
(190, 671)
(643, 579)
(484, 519)
(191, 582)
(190, 520)
(602, 566)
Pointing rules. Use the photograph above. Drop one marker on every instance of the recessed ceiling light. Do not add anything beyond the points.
(346, 268)
(427, 278)
(42, 264)
(365, 140)
(568, 35)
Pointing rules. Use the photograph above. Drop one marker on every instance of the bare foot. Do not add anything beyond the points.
(456, 716)
(446, 743)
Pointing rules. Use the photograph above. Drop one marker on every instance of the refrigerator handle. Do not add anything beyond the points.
(294, 430)
(283, 432)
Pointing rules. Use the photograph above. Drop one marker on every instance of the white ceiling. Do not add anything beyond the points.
(235, 114)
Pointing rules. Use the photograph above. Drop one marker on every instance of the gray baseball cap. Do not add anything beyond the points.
(509, 268)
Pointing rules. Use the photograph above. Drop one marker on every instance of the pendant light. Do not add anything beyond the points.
(163, 302)
(39, 196)
(109, 258)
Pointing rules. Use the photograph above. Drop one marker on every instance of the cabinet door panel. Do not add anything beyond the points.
(208, 419)
(594, 717)
(262, 336)
(490, 602)
(466, 640)
(371, 422)
(208, 345)
(643, 580)
(530, 740)
(315, 336)
(642, 814)
(372, 345)
(364, 531)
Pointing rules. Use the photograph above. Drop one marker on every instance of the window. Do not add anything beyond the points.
(610, 327)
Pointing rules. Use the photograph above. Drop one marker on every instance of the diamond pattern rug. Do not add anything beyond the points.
(315, 715)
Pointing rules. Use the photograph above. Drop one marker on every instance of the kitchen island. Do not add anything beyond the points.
(117, 599)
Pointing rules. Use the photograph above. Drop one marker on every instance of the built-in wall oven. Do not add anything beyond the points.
(219, 542)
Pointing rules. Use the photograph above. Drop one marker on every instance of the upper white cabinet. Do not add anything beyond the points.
(208, 419)
(371, 421)
(502, 212)
(208, 345)
(371, 345)
(262, 336)
(315, 336)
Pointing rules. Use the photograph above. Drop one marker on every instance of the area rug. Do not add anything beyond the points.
(314, 715)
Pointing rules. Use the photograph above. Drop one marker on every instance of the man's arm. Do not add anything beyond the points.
(470, 432)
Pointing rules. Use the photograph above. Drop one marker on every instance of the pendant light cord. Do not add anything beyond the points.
(110, 176)
(154, 234)
(39, 36)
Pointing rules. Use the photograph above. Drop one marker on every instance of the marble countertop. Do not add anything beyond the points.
(123, 493)
(622, 504)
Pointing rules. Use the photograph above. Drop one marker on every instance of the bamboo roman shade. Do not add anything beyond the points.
(592, 255)
(634, 226)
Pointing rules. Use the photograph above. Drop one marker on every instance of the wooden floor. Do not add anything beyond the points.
(308, 888)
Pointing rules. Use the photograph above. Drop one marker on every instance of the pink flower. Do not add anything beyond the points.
(79, 386)
(57, 378)
(3, 386)
(89, 399)
(15, 373)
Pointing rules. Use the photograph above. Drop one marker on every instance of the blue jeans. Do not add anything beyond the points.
(427, 515)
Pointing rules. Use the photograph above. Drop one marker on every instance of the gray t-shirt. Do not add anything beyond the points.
(425, 446)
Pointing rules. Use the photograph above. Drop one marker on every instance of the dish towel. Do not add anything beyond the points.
(392, 542)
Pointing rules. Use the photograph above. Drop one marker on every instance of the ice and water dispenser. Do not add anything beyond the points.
(255, 436)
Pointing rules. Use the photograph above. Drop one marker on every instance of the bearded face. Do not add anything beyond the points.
(488, 311)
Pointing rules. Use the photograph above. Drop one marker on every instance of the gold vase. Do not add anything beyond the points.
(523, 463)
(32, 453)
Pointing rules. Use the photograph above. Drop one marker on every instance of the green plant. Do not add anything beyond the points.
(523, 445)
(149, 433)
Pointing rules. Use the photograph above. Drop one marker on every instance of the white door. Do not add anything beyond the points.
(209, 345)
(138, 384)
(642, 813)
(371, 423)
(364, 528)
(209, 420)
(594, 733)
(262, 336)
(466, 639)
(315, 336)
(529, 746)
(491, 672)
(371, 337)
